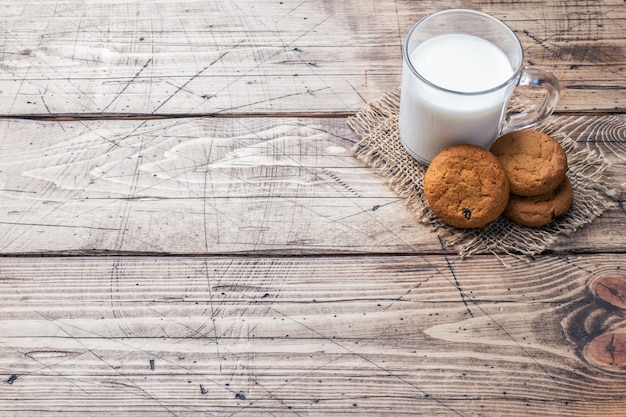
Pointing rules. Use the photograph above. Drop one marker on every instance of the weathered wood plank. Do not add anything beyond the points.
(231, 185)
(194, 185)
(198, 57)
(425, 335)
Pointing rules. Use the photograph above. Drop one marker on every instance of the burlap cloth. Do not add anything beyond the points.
(380, 148)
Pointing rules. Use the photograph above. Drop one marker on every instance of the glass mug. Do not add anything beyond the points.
(460, 68)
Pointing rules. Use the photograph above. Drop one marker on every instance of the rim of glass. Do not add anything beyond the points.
(406, 54)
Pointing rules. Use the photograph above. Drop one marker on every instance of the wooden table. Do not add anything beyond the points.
(184, 229)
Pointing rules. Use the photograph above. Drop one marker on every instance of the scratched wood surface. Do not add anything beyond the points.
(290, 56)
(381, 335)
(183, 230)
(230, 185)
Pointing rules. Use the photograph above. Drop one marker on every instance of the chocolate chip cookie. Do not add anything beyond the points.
(466, 186)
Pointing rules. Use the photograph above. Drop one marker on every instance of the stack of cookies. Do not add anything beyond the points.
(536, 167)
(523, 177)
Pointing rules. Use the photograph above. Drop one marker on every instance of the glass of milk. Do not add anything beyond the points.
(460, 68)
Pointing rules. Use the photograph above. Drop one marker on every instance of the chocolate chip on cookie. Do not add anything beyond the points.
(466, 186)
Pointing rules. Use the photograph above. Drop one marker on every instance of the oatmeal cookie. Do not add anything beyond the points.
(534, 162)
(540, 210)
(466, 186)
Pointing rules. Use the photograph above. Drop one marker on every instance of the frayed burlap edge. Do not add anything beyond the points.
(380, 148)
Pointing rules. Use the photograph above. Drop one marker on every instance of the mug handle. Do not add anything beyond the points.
(535, 78)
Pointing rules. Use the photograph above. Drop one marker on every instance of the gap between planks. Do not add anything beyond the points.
(62, 117)
(139, 116)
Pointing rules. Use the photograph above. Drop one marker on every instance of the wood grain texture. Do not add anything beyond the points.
(410, 335)
(222, 57)
(156, 262)
(195, 186)
(191, 186)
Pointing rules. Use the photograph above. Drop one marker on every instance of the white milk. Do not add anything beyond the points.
(432, 119)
